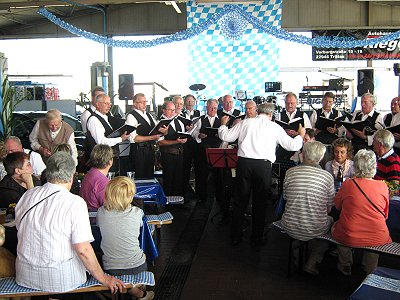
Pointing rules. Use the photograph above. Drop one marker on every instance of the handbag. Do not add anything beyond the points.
(368, 199)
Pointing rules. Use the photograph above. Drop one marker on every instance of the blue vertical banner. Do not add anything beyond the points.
(228, 65)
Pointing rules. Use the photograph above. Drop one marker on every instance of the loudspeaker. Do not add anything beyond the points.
(396, 69)
(365, 81)
(125, 89)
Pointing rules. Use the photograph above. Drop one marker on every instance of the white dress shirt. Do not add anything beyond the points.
(85, 116)
(46, 257)
(197, 126)
(258, 138)
(35, 145)
(131, 120)
(97, 131)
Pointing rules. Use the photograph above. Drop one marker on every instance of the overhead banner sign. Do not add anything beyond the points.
(388, 50)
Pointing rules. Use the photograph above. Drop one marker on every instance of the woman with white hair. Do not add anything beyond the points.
(364, 205)
(309, 191)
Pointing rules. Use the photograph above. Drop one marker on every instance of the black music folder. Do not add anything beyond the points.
(183, 135)
(186, 122)
(394, 129)
(233, 117)
(124, 128)
(359, 125)
(209, 131)
(323, 123)
(161, 123)
(292, 125)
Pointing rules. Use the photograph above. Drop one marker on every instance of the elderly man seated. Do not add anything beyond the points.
(309, 192)
(13, 144)
(54, 234)
(50, 132)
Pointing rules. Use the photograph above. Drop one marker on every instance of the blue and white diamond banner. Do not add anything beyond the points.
(232, 55)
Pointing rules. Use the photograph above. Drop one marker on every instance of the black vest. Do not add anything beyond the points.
(285, 118)
(171, 134)
(90, 140)
(144, 128)
(388, 119)
(210, 141)
(371, 119)
(281, 153)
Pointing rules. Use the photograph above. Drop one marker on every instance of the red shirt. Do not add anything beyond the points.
(360, 224)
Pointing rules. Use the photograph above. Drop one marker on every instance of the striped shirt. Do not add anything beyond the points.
(388, 167)
(309, 193)
(46, 257)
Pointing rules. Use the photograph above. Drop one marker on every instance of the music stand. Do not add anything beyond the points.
(226, 159)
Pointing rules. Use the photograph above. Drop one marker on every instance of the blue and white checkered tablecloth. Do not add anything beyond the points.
(9, 286)
(167, 216)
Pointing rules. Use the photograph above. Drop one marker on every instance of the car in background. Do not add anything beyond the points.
(24, 121)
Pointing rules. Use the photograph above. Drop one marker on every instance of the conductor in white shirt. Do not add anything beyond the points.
(257, 141)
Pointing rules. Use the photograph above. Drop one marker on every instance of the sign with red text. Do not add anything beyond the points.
(387, 50)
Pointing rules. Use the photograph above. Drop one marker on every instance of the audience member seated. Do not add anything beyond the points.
(342, 155)
(309, 192)
(362, 217)
(7, 259)
(388, 167)
(54, 237)
(17, 181)
(13, 144)
(3, 154)
(308, 137)
(120, 224)
(75, 184)
(94, 184)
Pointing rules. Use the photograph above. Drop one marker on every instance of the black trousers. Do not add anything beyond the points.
(189, 153)
(172, 165)
(253, 177)
(202, 172)
(142, 157)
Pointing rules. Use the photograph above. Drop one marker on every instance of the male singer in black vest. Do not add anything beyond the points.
(227, 109)
(171, 148)
(188, 111)
(364, 139)
(206, 141)
(142, 150)
(328, 135)
(98, 90)
(289, 113)
(98, 126)
(393, 119)
(190, 147)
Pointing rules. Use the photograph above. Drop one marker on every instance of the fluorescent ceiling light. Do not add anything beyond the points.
(174, 5)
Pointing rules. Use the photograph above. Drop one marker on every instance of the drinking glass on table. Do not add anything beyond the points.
(3, 213)
(131, 175)
(111, 175)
